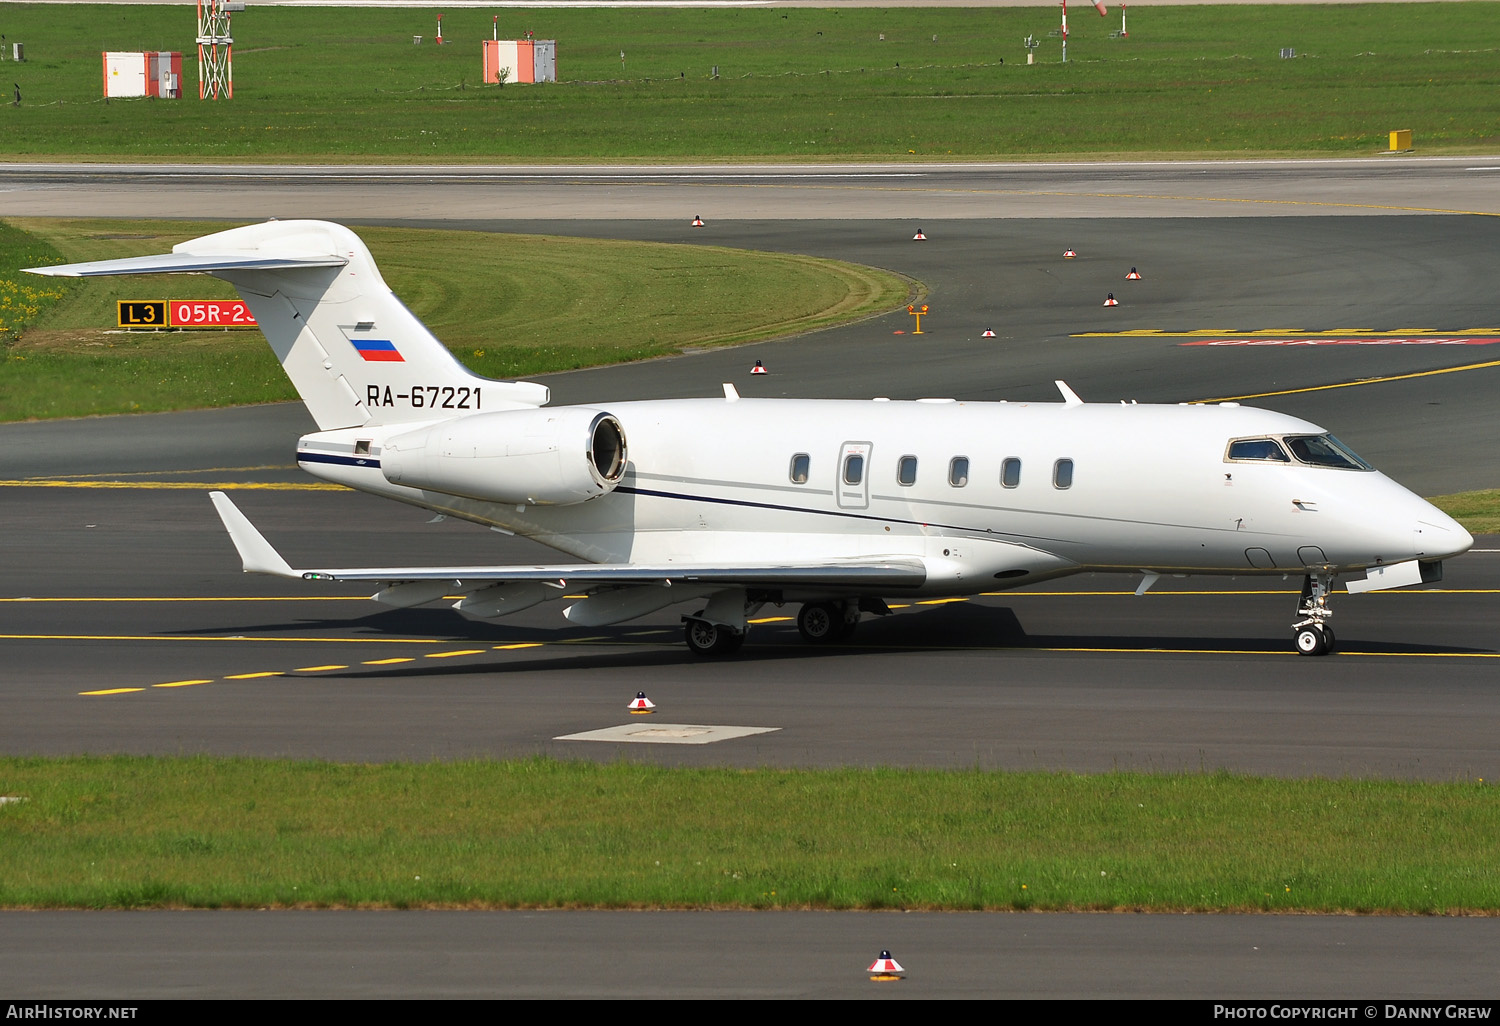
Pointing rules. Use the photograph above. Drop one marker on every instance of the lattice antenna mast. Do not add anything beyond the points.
(216, 49)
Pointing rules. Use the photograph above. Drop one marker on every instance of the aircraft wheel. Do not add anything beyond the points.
(820, 622)
(1312, 640)
(710, 641)
(846, 628)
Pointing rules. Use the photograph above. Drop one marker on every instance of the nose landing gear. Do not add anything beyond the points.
(1312, 634)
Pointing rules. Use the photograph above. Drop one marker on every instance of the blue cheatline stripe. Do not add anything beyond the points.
(342, 461)
(370, 345)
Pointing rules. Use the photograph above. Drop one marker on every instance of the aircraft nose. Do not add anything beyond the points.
(1436, 535)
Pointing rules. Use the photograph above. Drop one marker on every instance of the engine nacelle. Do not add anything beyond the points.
(541, 457)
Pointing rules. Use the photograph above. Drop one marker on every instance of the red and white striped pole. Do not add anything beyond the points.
(440, 30)
(1065, 31)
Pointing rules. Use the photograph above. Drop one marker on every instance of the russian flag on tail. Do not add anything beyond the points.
(377, 350)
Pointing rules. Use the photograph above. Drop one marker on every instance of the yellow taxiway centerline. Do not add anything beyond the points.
(1354, 384)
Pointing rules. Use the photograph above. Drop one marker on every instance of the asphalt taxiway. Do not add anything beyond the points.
(127, 627)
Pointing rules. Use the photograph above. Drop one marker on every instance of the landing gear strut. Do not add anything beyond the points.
(1312, 633)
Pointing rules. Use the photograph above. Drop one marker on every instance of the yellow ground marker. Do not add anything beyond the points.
(112, 691)
(460, 652)
(388, 662)
(252, 676)
(315, 669)
(523, 644)
(182, 683)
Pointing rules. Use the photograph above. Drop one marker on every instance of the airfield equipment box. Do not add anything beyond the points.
(523, 60)
(148, 73)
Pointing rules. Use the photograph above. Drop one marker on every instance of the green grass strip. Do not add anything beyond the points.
(125, 831)
(804, 84)
(1478, 512)
(509, 306)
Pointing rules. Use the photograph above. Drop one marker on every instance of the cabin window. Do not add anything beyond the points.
(1062, 474)
(800, 464)
(906, 471)
(1257, 449)
(958, 471)
(1010, 472)
(1325, 451)
(854, 469)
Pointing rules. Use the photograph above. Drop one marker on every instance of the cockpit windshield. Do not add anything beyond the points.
(1257, 449)
(1313, 450)
(1325, 451)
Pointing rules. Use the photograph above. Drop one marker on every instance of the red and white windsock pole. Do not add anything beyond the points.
(1065, 31)
(495, 28)
(1123, 33)
(440, 30)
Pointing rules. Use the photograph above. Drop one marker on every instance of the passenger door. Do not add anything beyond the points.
(853, 485)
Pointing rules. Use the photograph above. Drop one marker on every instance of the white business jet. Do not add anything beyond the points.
(729, 503)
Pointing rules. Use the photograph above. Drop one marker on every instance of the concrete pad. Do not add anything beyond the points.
(666, 733)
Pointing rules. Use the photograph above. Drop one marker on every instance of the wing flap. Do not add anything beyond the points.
(861, 573)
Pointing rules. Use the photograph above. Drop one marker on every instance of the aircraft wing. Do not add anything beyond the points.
(258, 556)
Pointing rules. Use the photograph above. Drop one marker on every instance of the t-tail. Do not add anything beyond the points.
(355, 353)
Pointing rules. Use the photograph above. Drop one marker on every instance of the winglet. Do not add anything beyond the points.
(1070, 397)
(255, 552)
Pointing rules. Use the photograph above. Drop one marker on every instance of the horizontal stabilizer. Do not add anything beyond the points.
(186, 263)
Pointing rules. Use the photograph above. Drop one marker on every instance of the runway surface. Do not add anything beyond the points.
(134, 591)
(923, 191)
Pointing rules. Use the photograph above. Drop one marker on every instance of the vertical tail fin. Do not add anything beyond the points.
(354, 352)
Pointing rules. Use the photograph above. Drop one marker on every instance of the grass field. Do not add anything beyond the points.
(534, 305)
(326, 84)
(199, 832)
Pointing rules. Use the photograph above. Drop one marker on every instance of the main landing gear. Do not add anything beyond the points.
(708, 640)
(826, 623)
(1312, 634)
(708, 636)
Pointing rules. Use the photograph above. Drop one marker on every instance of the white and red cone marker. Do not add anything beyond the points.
(1111, 301)
(1134, 275)
(885, 968)
(919, 237)
(1068, 254)
(759, 368)
(987, 334)
(641, 704)
(697, 221)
